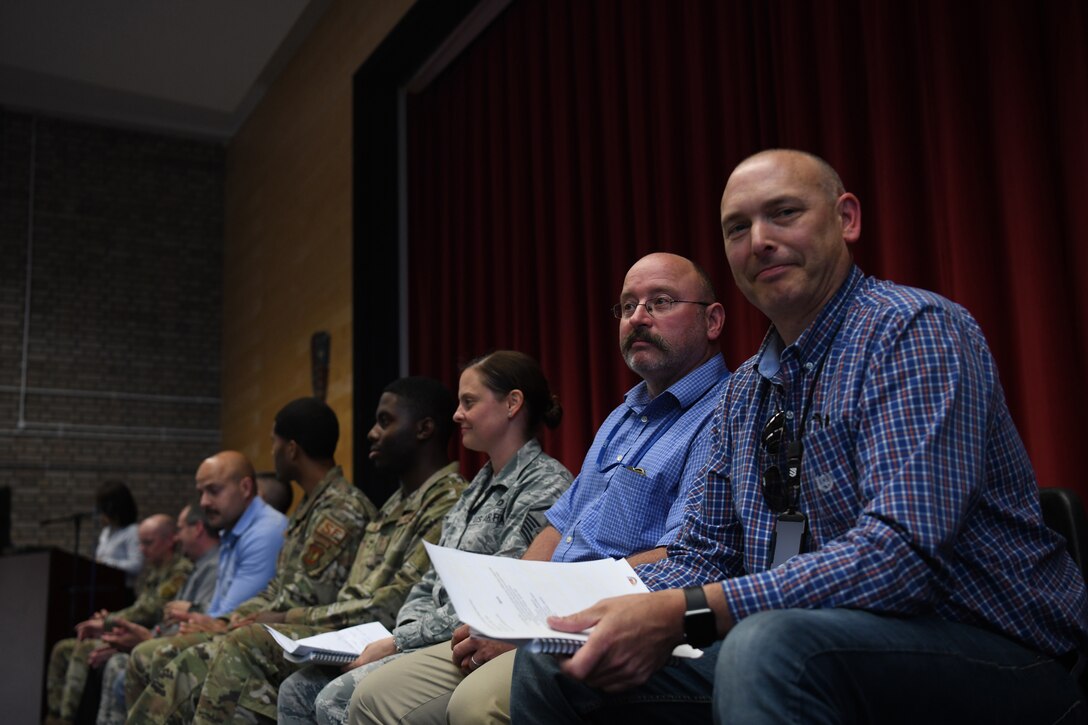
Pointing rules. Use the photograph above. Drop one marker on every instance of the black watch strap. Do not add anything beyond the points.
(700, 626)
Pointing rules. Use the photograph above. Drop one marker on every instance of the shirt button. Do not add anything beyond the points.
(619, 457)
(644, 419)
(809, 366)
(789, 415)
(570, 539)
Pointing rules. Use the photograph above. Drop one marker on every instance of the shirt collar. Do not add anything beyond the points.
(686, 390)
(333, 474)
(248, 518)
(209, 555)
(448, 470)
(513, 468)
(816, 339)
(416, 497)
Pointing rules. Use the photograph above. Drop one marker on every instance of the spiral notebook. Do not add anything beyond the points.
(510, 599)
(330, 648)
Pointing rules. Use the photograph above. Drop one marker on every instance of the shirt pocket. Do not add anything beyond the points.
(634, 510)
(481, 533)
(830, 495)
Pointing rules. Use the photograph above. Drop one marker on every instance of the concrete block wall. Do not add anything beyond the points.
(113, 368)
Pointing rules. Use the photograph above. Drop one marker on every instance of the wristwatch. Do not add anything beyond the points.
(700, 627)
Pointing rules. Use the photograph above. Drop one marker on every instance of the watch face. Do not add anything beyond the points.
(700, 629)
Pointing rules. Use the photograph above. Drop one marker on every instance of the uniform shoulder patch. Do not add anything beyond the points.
(314, 555)
(330, 529)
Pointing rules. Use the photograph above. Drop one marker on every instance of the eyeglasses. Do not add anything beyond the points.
(776, 491)
(657, 307)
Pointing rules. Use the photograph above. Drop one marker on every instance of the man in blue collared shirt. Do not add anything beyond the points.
(250, 538)
(251, 531)
(627, 501)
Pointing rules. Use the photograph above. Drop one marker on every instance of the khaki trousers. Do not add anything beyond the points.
(426, 687)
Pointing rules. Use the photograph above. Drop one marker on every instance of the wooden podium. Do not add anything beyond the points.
(44, 595)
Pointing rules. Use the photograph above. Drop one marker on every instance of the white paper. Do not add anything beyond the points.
(351, 640)
(504, 598)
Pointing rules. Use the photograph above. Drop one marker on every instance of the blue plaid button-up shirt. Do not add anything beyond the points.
(919, 494)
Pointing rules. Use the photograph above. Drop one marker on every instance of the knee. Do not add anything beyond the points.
(64, 646)
(138, 659)
(332, 703)
(532, 682)
(324, 706)
(144, 652)
(115, 665)
(288, 695)
(62, 651)
(144, 649)
(472, 702)
(240, 638)
(361, 707)
(159, 657)
(760, 643)
(483, 696)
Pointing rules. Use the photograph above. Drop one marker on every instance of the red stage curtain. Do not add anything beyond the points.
(573, 137)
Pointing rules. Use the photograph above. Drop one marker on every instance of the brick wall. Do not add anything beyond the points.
(122, 233)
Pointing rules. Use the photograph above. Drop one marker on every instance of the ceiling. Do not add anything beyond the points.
(188, 67)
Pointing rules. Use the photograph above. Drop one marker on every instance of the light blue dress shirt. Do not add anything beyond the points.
(629, 496)
(247, 556)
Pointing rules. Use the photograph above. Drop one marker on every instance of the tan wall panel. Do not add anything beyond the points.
(287, 257)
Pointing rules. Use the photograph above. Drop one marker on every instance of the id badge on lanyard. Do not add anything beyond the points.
(788, 538)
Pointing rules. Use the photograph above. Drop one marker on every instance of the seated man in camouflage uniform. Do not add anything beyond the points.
(319, 543)
(200, 545)
(163, 575)
(389, 561)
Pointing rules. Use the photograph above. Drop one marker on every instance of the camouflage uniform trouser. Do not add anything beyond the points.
(111, 708)
(173, 669)
(67, 676)
(243, 679)
(321, 694)
(148, 658)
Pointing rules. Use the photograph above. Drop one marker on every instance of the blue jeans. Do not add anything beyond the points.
(824, 666)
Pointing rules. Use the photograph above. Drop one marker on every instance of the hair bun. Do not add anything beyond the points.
(554, 414)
